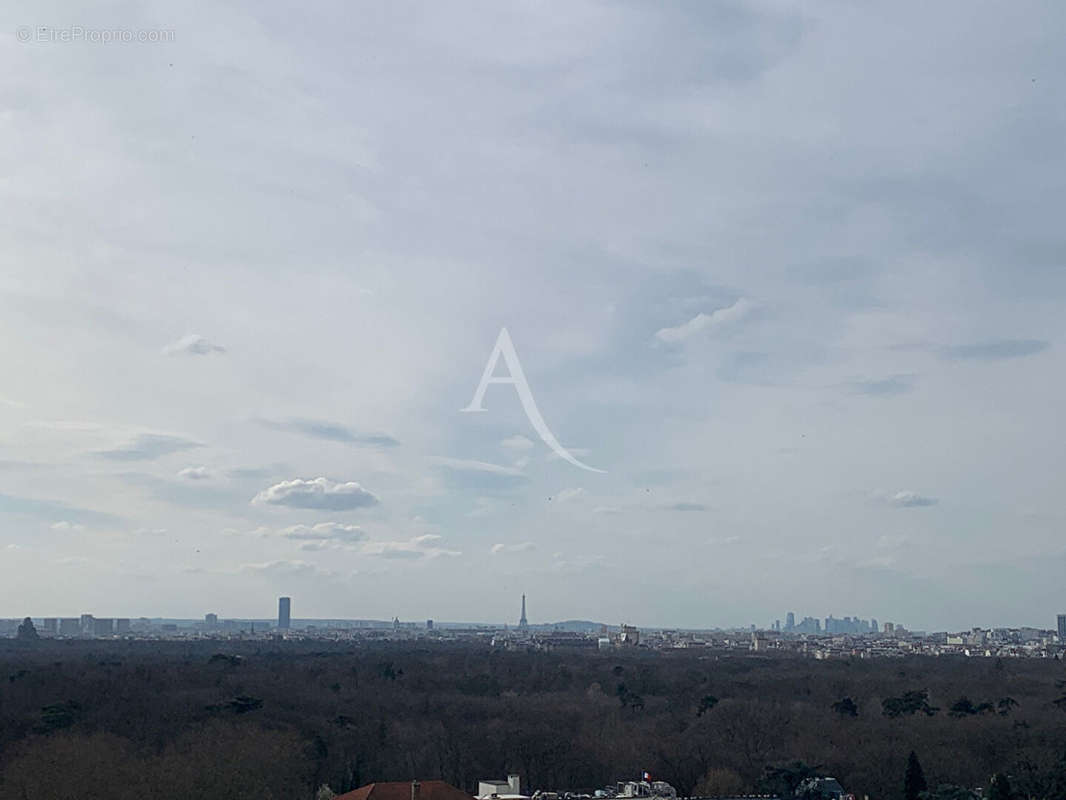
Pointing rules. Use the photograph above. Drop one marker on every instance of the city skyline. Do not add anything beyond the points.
(791, 277)
(828, 625)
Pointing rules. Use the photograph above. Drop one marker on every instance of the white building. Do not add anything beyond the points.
(510, 789)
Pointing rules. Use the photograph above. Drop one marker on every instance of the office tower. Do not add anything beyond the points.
(429, 624)
(51, 625)
(522, 623)
(284, 612)
(103, 627)
(790, 621)
(873, 626)
(122, 625)
(1062, 627)
(69, 626)
(87, 624)
(210, 621)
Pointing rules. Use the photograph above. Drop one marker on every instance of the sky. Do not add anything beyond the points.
(792, 275)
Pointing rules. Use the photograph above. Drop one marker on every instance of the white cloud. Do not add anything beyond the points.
(329, 431)
(607, 510)
(418, 547)
(570, 494)
(286, 569)
(905, 499)
(326, 532)
(192, 345)
(912, 500)
(683, 505)
(577, 452)
(577, 564)
(317, 493)
(520, 547)
(149, 446)
(65, 526)
(468, 465)
(720, 318)
(196, 474)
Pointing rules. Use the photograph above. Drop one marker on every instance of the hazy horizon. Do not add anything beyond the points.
(791, 275)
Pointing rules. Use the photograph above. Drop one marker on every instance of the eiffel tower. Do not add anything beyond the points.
(523, 624)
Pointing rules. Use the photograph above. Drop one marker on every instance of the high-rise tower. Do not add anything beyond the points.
(523, 623)
(284, 610)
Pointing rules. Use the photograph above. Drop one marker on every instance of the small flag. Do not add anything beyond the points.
(647, 776)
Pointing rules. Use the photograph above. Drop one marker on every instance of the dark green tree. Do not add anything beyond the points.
(26, 631)
(1005, 704)
(999, 789)
(948, 791)
(908, 704)
(846, 707)
(786, 779)
(963, 707)
(706, 704)
(914, 781)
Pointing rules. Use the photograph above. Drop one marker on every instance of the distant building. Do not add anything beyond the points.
(429, 624)
(829, 788)
(646, 788)
(50, 625)
(284, 612)
(210, 621)
(87, 624)
(1062, 627)
(510, 788)
(790, 621)
(630, 635)
(69, 626)
(523, 623)
(122, 625)
(103, 627)
(404, 790)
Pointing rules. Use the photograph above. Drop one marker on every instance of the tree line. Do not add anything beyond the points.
(243, 719)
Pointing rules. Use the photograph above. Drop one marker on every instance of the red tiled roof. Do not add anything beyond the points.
(401, 790)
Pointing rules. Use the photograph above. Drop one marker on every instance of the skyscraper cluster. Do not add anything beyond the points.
(832, 625)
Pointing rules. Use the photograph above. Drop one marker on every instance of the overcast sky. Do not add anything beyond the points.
(791, 274)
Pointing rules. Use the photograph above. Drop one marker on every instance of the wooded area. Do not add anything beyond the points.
(209, 719)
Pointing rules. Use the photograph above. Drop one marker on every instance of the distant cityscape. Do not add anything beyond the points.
(812, 637)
